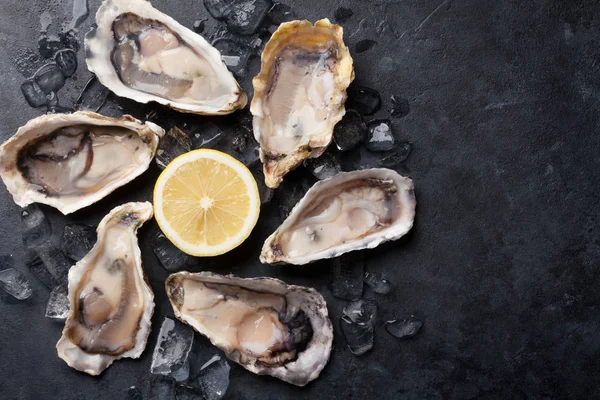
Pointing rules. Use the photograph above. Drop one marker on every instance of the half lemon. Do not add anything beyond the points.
(206, 202)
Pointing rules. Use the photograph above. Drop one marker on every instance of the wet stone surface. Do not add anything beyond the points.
(499, 111)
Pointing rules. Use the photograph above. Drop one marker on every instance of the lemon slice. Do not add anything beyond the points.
(206, 202)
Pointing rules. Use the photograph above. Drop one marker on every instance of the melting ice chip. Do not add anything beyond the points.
(58, 303)
(377, 283)
(15, 284)
(172, 349)
(357, 325)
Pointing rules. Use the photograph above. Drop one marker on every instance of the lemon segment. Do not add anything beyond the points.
(206, 202)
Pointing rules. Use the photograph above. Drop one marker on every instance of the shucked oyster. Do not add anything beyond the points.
(351, 211)
(70, 161)
(299, 94)
(111, 302)
(142, 54)
(264, 325)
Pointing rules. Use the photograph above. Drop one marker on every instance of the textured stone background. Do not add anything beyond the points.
(503, 263)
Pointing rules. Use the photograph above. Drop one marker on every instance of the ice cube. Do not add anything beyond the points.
(14, 283)
(400, 107)
(37, 269)
(234, 54)
(33, 93)
(380, 136)
(171, 258)
(396, 156)
(364, 100)
(403, 328)
(161, 388)
(173, 144)
(350, 131)
(184, 392)
(77, 240)
(35, 226)
(66, 61)
(172, 349)
(49, 78)
(347, 276)
(209, 370)
(378, 284)
(213, 378)
(246, 16)
(323, 167)
(357, 325)
(281, 13)
(218, 9)
(93, 96)
(55, 262)
(58, 303)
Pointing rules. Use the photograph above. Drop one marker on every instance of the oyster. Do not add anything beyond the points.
(110, 301)
(263, 324)
(350, 211)
(70, 161)
(299, 94)
(142, 54)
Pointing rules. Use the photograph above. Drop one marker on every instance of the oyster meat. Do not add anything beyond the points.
(263, 324)
(70, 161)
(350, 211)
(142, 54)
(110, 301)
(299, 94)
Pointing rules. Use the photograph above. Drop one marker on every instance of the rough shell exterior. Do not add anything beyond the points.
(23, 194)
(311, 361)
(99, 44)
(398, 229)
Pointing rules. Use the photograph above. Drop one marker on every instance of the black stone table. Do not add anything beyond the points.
(499, 103)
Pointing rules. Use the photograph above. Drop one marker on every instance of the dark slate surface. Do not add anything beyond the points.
(503, 263)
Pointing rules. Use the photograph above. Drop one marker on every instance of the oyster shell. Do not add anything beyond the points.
(299, 94)
(70, 161)
(350, 211)
(111, 303)
(142, 54)
(263, 324)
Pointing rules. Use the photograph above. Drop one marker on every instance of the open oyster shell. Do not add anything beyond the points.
(350, 211)
(111, 303)
(263, 324)
(142, 54)
(299, 94)
(70, 161)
